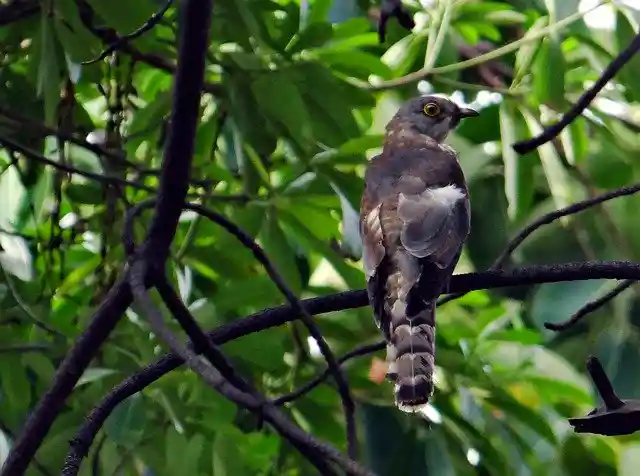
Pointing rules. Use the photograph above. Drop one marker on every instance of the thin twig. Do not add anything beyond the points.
(550, 132)
(318, 379)
(545, 220)
(148, 25)
(590, 307)
(22, 348)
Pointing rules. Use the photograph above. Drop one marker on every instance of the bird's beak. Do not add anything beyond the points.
(466, 112)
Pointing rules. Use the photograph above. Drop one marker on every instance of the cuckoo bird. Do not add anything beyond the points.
(414, 219)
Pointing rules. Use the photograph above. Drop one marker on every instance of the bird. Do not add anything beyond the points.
(414, 220)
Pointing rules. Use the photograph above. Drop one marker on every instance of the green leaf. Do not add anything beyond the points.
(575, 141)
(629, 459)
(112, 12)
(403, 54)
(518, 170)
(625, 31)
(88, 193)
(93, 374)
(15, 257)
(548, 81)
(354, 278)
(556, 173)
(149, 118)
(5, 447)
(514, 409)
(236, 453)
(558, 301)
(126, 423)
(357, 63)
(280, 252)
(49, 79)
(275, 89)
(314, 36)
(527, 53)
(524, 336)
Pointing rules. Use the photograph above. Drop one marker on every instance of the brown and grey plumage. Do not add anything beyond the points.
(414, 219)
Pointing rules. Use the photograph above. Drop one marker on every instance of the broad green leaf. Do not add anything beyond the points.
(126, 423)
(625, 31)
(403, 54)
(88, 193)
(136, 14)
(280, 252)
(558, 301)
(629, 459)
(526, 54)
(272, 91)
(15, 257)
(78, 42)
(357, 63)
(5, 447)
(314, 36)
(518, 170)
(149, 118)
(49, 80)
(575, 141)
(549, 82)
(236, 453)
(94, 374)
(524, 336)
(354, 278)
(557, 175)
(526, 415)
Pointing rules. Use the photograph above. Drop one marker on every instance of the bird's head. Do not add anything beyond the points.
(433, 116)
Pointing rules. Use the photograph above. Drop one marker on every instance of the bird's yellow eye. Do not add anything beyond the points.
(431, 109)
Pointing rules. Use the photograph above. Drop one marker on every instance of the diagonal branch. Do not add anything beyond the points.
(213, 378)
(248, 242)
(173, 187)
(550, 132)
(123, 40)
(350, 300)
(590, 307)
(547, 219)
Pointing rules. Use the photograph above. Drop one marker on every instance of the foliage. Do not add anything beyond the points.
(297, 96)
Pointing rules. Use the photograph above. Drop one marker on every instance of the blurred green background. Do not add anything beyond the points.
(288, 122)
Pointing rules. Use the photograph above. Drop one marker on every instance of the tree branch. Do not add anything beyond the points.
(549, 133)
(590, 307)
(123, 40)
(249, 243)
(173, 187)
(350, 300)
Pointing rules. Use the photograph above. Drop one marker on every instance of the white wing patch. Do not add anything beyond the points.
(429, 221)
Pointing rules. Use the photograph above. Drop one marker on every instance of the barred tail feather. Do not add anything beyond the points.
(411, 355)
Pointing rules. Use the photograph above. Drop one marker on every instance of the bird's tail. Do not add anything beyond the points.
(411, 354)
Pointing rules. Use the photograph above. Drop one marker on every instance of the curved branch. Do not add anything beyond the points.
(550, 132)
(545, 220)
(248, 242)
(173, 187)
(354, 299)
(318, 379)
(590, 307)
(294, 302)
(148, 25)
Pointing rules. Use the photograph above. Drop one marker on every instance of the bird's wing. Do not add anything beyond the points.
(434, 223)
(406, 210)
